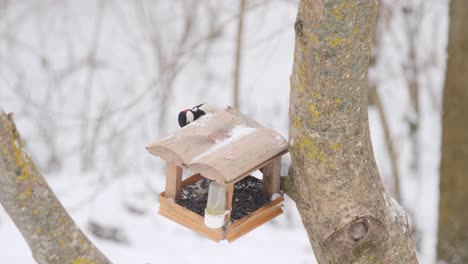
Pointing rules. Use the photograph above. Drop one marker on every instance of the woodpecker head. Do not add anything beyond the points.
(189, 115)
(185, 117)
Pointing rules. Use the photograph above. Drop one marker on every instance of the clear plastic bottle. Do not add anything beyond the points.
(215, 206)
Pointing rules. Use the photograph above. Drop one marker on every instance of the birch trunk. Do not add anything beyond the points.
(45, 225)
(333, 179)
(453, 207)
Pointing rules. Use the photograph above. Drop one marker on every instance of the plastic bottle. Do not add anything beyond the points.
(215, 206)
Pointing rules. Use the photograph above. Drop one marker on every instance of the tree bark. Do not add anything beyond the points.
(333, 179)
(45, 225)
(453, 207)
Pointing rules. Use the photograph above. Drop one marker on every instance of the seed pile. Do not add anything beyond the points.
(194, 196)
(248, 197)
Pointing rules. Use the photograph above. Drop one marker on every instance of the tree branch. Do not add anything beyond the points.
(45, 225)
(238, 54)
(389, 144)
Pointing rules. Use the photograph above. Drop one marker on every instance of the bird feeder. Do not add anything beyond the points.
(222, 148)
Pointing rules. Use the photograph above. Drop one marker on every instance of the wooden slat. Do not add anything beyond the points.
(173, 181)
(192, 179)
(256, 219)
(229, 162)
(188, 219)
(231, 232)
(201, 135)
(206, 146)
(258, 167)
(271, 177)
(229, 196)
(276, 202)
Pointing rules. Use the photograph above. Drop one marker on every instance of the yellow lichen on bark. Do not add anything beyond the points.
(302, 79)
(27, 193)
(297, 123)
(22, 162)
(307, 145)
(338, 12)
(313, 38)
(333, 178)
(83, 261)
(334, 41)
(335, 146)
(313, 110)
(373, 260)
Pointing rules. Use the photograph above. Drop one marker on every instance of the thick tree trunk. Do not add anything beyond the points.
(333, 178)
(453, 207)
(47, 228)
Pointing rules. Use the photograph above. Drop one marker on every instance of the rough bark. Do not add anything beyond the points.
(453, 206)
(333, 179)
(45, 225)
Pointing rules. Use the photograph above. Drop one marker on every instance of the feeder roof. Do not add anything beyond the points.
(224, 146)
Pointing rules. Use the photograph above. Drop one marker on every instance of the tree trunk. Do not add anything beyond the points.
(333, 179)
(47, 228)
(453, 207)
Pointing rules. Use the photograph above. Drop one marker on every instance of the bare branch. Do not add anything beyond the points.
(238, 54)
(389, 143)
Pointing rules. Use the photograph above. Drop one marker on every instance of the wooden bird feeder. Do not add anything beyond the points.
(225, 148)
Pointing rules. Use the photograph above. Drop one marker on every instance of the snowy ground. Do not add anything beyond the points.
(122, 190)
(154, 239)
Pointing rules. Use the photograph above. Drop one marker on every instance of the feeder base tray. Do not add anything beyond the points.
(232, 231)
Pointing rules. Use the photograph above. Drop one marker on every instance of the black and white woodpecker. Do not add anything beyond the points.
(189, 115)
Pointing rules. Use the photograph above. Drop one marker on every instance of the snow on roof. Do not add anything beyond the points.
(235, 134)
(224, 146)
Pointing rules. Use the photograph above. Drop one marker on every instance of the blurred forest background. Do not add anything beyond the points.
(91, 83)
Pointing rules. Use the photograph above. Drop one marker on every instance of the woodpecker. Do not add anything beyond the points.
(189, 115)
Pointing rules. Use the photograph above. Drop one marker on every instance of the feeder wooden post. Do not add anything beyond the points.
(229, 195)
(271, 177)
(173, 181)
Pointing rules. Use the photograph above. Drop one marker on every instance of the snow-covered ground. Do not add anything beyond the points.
(155, 239)
(43, 46)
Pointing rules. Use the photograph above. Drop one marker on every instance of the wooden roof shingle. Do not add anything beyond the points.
(224, 146)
